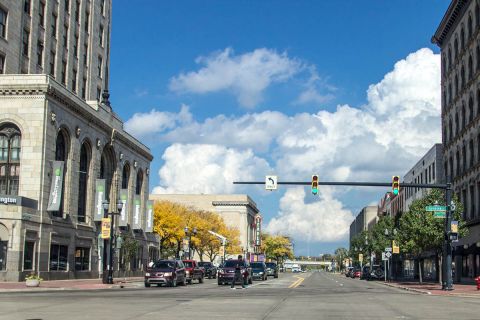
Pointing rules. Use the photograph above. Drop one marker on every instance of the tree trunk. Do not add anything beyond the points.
(420, 271)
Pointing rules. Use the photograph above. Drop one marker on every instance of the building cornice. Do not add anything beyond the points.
(236, 204)
(448, 21)
(44, 85)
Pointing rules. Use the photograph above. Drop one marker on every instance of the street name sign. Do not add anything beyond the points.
(271, 182)
(388, 249)
(436, 208)
(439, 214)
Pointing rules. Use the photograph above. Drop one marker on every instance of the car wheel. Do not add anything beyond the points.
(174, 283)
(200, 280)
(220, 283)
(147, 285)
(189, 281)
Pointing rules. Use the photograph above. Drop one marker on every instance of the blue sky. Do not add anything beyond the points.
(234, 90)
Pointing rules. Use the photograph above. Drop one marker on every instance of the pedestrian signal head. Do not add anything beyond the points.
(395, 185)
(314, 184)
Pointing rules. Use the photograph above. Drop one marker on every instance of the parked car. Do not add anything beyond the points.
(259, 271)
(227, 272)
(357, 273)
(296, 269)
(167, 272)
(210, 269)
(365, 273)
(272, 269)
(193, 271)
(348, 272)
(376, 273)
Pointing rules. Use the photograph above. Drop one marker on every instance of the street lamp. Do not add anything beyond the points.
(189, 234)
(110, 241)
(390, 237)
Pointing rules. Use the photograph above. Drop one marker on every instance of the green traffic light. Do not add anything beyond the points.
(314, 190)
(395, 191)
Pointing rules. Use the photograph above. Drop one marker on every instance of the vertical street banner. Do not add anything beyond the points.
(106, 226)
(123, 220)
(149, 226)
(99, 199)
(258, 230)
(56, 187)
(136, 213)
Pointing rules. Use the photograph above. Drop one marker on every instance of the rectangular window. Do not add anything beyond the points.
(82, 259)
(84, 88)
(64, 72)
(472, 202)
(85, 53)
(2, 64)
(99, 93)
(40, 53)
(87, 18)
(54, 25)
(58, 257)
(3, 23)
(65, 37)
(100, 62)
(52, 63)
(67, 6)
(25, 39)
(433, 170)
(26, 7)
(74, 81)
(3, 255)
(41, 14)
(100, 34)
(28, 255)
(77, 11)
(75, 47)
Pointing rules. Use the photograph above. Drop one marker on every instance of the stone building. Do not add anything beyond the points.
(365, 220)
(458, 37)
(237, 210)
(64, 152)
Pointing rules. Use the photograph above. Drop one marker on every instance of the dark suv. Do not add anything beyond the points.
(272, 269)
(210, 269)
(259, 270)
(167, 272)
(227, 272)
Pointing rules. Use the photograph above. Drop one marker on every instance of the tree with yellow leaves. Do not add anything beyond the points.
(277, 247)
(168, 221)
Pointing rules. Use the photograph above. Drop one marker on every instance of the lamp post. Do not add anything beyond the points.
(390, 237)
(110, 241)
(189, 235)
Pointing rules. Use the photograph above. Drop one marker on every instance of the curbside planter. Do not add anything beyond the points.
(32, 282)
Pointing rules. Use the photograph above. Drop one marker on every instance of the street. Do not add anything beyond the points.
(311, 295)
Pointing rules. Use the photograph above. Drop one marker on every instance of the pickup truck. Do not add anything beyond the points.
(193, 271)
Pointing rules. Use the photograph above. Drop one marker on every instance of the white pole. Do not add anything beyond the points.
(385, 269)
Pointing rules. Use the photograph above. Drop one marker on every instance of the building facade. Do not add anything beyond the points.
(365, 220)
(458, 37)
(65, 159)
(237, 210)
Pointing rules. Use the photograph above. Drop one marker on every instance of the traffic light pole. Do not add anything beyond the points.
(447, 281)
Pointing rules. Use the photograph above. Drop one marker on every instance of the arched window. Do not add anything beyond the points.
(139, 184)
(457, 160)
(456, 123)
(10, 145)
(470, 67)
(107, 168)
(61, 154)
(470, 108)
(455, 48)
(462, 38)
(83, 181)
(450, 162)
(450, 130)
(477, 15)
(125, 176)
(456, 86)
(470, 151)
(463, 116)
(462, 75)
(449, 58)
(450, 93)
(470, 27)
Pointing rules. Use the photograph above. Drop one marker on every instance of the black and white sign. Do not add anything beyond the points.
(271, 182)
(388, 254)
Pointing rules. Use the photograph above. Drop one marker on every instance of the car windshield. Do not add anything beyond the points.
(232, 263)
(164, 264)
(256, 265)
(204, 264)
(188, 264)
(271, 265)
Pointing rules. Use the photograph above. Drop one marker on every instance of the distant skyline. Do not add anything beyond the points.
(235, 90)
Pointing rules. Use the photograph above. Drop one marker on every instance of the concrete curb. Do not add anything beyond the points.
(450, 294)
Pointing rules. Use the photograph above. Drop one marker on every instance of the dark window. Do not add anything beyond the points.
(451, 167)
(477, 15)
(85, 53)
(102, 7)
(463, 117)
(65, 37)
(77, 11)
(74, 81)
(67, 6)
(28, 255)
(84, 88)
(52, 63)
(455, 48)
(470, 27)
(125, 176)
(10, 146)
(3, 254)
(456, 86)
(470, 109)
(82, 183)
(3, 23)
(472, 202)
(470, 67)
(25, 40)
(464, 159)
(457, 159)
(450, 130)
(449, 58)
(451, 93)
(61, 155)
(100, 34)
(64, 72)
(58, 257)
(462, 38)
(41, 14)
(478, 58)
(99, 93)
(433, 171)
(462, 75)
(82, 259)
(87, 21)
(429, 174)
(138, 187)
(100, 61)
(470, 150)
(54, 25)
(26, 6)
(2, 64)
(75, 47)
(40, 53)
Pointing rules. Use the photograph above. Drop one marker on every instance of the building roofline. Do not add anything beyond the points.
(448, 21)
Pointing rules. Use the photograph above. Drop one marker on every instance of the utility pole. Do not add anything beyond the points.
(447, 281)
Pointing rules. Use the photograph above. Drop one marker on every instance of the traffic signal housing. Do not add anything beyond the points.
(315, 184)
(395, 185)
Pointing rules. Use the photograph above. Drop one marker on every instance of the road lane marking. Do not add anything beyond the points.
(297, 282)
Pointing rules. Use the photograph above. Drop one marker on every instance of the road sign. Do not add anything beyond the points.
(360, 257)
(106, 225)
(388, 254)
(395, 247)
(436, 208)
(271, 182)
(439, 214)
(388, 249)
(454, 227)
(384, 256)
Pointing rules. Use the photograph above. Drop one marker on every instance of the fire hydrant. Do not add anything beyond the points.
(477, 280)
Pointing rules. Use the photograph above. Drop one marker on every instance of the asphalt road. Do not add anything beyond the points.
(314, 295)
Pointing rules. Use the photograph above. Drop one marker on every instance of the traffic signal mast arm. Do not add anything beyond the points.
(359, 184)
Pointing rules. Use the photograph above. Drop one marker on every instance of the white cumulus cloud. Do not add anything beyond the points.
(324, 221)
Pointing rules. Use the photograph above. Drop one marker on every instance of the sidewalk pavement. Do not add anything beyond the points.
(76, 284)
(464, 290)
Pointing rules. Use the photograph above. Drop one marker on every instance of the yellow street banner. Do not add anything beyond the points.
(395, 247)
(222, 250)
(360, 257)
(106, 225)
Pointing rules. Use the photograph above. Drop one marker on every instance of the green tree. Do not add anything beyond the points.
(129, 251)
(340, 255)
(419, 231)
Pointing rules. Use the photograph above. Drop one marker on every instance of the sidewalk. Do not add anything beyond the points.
(436, 289)
(76, 284)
